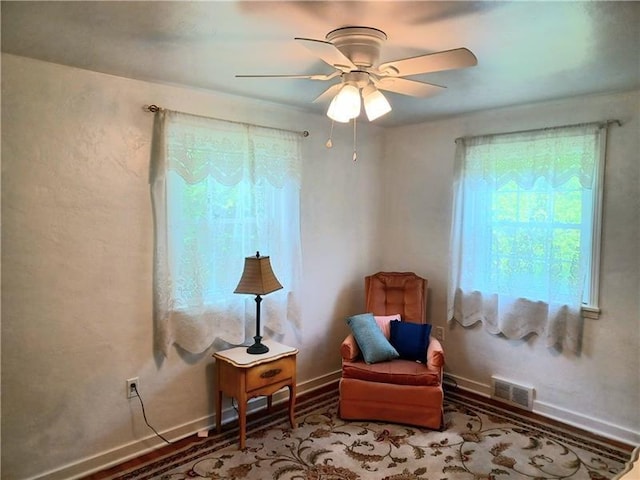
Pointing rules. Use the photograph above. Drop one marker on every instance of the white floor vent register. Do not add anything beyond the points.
(512, 393)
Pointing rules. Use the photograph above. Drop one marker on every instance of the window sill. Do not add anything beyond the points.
(590, 312)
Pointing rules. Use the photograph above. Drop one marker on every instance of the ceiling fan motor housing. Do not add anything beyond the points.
(357, 78)
(361, 45)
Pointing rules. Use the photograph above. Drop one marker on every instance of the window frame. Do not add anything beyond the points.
(592, 308)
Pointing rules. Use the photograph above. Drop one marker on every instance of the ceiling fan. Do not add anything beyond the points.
(354, 52)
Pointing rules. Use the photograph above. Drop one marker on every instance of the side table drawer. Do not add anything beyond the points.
(270, 373)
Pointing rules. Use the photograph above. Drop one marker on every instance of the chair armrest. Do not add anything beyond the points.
(349, 349)
(435, 354)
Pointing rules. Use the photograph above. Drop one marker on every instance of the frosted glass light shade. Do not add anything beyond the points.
(334, 113)
(375, 103)
(345, 105)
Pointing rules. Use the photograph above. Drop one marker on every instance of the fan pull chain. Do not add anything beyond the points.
(329, 143)
(355, 154)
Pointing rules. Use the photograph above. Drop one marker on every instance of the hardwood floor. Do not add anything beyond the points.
(162, 451)
(143, 459)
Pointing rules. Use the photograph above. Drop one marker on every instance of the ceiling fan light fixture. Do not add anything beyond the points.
(345, 105)
(375, 103)
(334, 113)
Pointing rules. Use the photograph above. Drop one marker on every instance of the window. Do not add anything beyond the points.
(221, 192)
(525, 235)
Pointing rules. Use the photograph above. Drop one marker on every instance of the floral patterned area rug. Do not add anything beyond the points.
(479, 442)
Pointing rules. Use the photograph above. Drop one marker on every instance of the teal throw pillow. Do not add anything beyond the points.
(372, 343)
(410, 339)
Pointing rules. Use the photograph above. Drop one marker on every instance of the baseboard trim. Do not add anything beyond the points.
(597, 426)
(469, 385)
(554, 412)
(131, 450)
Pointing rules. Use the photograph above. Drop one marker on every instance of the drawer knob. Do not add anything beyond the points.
(270, 373)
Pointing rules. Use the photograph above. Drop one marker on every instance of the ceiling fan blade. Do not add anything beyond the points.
(329, 53)
(329, 93)
(407, 87)
(432, 62)
(308, 77)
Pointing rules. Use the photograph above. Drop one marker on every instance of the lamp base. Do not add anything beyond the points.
(257, 348)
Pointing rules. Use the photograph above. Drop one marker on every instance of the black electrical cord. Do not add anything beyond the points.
(233, 404)
(144, 414)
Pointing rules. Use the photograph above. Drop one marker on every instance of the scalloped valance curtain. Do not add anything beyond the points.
(522, 231)
(222, 191)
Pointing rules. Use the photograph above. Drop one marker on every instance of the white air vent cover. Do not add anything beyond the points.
(512, 393)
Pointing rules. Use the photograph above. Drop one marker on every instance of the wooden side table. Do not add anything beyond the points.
(243, 376)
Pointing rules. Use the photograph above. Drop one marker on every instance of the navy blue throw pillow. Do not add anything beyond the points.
(410, 339)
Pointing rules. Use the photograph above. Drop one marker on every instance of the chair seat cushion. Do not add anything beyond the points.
(398, 372)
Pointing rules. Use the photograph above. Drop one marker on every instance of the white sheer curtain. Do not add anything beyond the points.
(222, 191)
(522, 232)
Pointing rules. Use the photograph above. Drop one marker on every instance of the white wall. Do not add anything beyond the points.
(600, 388)
(77, 240)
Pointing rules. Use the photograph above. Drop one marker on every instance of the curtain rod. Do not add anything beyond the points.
(155, 108)
(604, 124)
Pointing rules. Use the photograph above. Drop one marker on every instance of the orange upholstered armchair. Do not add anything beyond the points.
(403, 384)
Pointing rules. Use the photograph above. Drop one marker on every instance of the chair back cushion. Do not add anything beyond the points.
(390, 293)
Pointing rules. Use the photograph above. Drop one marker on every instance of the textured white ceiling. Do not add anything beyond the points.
(527, 51)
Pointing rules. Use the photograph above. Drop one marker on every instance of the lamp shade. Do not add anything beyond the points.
(375, 103)
(345, 105)
(257, 277)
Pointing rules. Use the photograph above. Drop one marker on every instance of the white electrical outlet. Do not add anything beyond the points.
(439, 334)
(131, 383)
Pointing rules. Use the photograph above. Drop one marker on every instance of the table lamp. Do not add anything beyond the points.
(257, 279)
